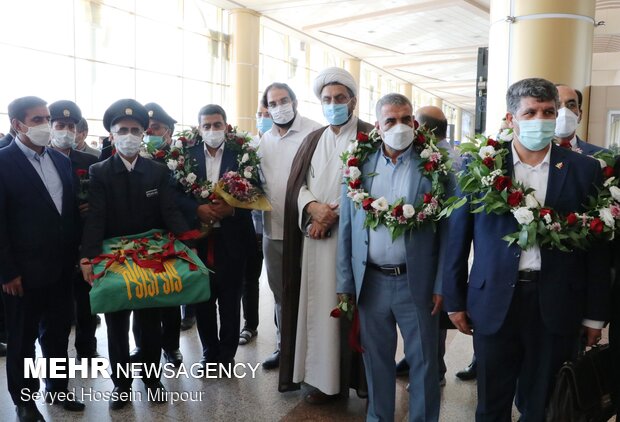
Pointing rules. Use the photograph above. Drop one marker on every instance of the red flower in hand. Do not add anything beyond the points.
(362, 137)
(596, 225)
(353, 162)
(430, 166)
(397, 211)
(355, 184)
(503, 182)
(571, 219)
(608, 172)
(335, 313)
(515, 198)
(81, 172)
(366, 203)
(428, 197)
(489, 162)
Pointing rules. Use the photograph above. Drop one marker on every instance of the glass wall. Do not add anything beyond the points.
(94, 52)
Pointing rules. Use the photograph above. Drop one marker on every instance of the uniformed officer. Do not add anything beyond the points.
(118, 205)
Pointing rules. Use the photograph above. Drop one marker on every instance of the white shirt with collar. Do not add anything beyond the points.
(276, 153)
(213, 163)
(129, 166)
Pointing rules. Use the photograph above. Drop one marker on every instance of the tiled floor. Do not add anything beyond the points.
(251, 399)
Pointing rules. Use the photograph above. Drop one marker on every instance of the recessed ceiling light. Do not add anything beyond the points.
(372, 31)
(413, 44)
(438, 20)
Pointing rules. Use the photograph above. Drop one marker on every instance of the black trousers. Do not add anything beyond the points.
(170, 329)
(523, 350)
(148, 321)
(226, 285)
(43, 313)
(253, 269)
(85, 322)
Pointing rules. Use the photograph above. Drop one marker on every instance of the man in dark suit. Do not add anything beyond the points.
(5, 141)
(528, 307)
(569, 117)
(128, 195)
(39, 233)
(160, 130)
(65, 116)
(225, 248)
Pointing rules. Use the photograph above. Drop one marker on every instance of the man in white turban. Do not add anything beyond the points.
(313, 349)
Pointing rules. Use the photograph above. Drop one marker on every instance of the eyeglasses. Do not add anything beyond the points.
(338, 99)
(136, 131)
(280, 102)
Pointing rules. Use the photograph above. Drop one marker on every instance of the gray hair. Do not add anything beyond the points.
(392, 99)
(538, 88)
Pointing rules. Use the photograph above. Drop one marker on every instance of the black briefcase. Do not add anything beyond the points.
(583, 389)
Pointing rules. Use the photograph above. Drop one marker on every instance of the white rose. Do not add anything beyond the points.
(408, 211)
(607, 217)
(191, 178)
(352, 147)
(506, 135)
(615, 193)
(172, 164)
(204, 193)
(530, 201)
(548, 218)
(359, 197)
(247, 174)
(523, 215)
(245, 157)
(178, 144)
(426, 152)
(354, 173)
(603, 163)
(380, 204)
(487, 151)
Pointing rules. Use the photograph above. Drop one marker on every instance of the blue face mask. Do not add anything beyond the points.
(536, 134)
(155, 141)
(336, 114)
(263, 124)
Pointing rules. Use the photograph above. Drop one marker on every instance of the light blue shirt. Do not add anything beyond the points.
(45, 168)
(392, 182)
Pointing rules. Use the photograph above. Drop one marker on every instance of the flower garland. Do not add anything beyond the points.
(490, 189)
(400, 216)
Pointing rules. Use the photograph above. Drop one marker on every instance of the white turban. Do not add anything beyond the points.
(334, 74)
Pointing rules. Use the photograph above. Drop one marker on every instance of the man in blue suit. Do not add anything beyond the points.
(395, 282)
(527, 307)
(39, 233)
(226, 246)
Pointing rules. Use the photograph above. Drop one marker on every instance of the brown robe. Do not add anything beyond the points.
(351, 364)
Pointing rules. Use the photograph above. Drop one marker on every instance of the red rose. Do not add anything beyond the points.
(397, 211)
(430, 166)
(183, 139)
(492, 143)
(596, 226)
(416, 124)
(420, 139)
(428, 197)
(335, 313)
(515, 198)
(353, 162)
(149, 131)
(81, 172)
(503, 182)
(489, 162)
(608, 172)
(571, 219)
(362, 137)
(175, 153)
(355, 184)
(545, 211)
(239, 140)
(366, 203)
(160, 154)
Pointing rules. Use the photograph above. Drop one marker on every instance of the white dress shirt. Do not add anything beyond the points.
(129, 166)
(276, 153)
(213, 163)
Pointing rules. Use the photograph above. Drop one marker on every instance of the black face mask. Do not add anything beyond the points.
(288, 124)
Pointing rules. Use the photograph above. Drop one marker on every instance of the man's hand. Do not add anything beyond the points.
(437, 302)
(14, 287)
(318, 231)
(221, 208)
(459, 319)
(83, 208)
(87, 271)
(345, 297)
(592, 335)
(207, 214)
(323, 214)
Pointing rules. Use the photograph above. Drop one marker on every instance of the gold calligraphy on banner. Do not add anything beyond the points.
(143, 283)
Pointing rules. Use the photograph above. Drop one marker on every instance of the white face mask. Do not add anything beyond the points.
(128, 144)
(398, 137)
(213, 138)
(566, 123)
(282, 114)
(63, 139)
(39, 135)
